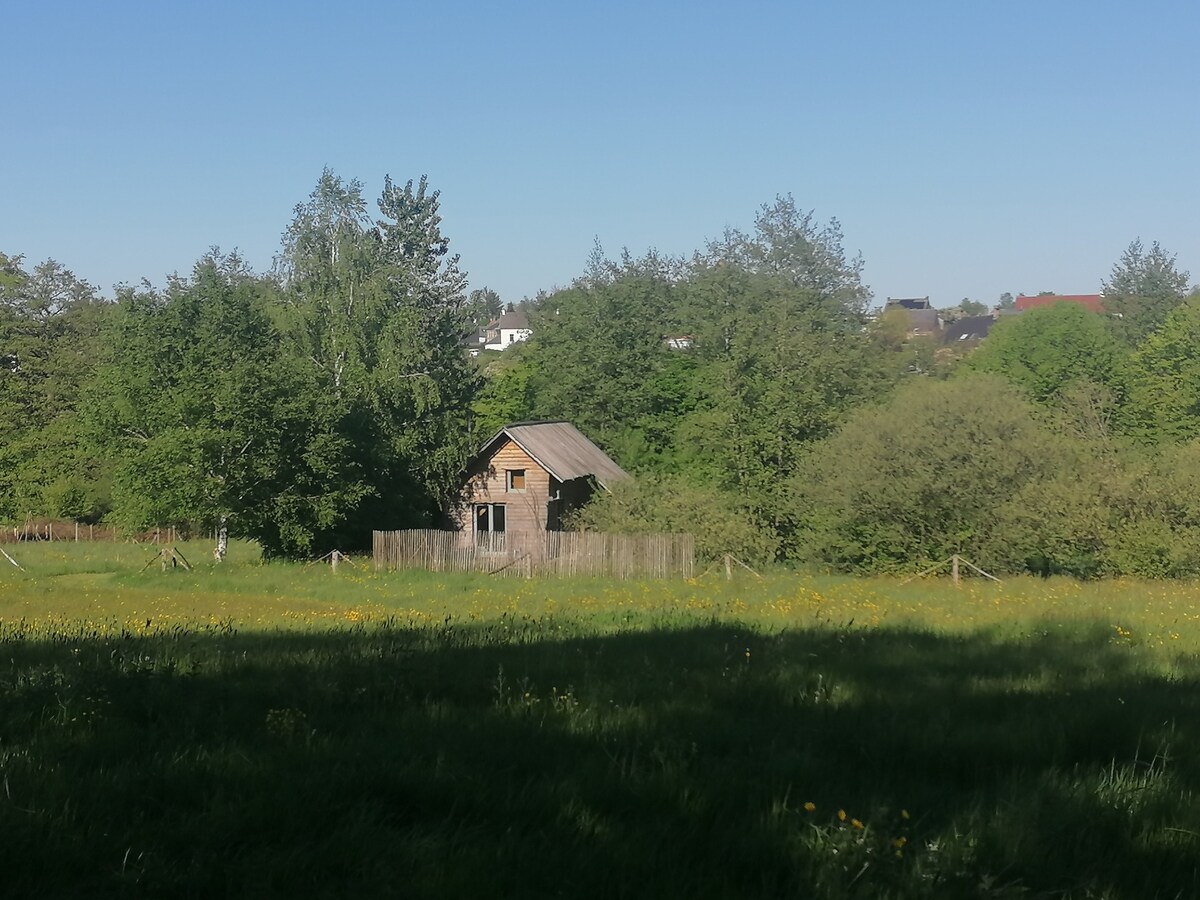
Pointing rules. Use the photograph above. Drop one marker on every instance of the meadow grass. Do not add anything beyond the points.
(279, 730)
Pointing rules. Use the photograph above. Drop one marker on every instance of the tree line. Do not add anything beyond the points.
(801, 426)
(761, 404)
(300, 407)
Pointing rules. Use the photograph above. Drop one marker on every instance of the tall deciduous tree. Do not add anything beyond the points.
(327, 266)
(207, 422)
(483, 305)
(1046, 350)
(1143, 288)
(50, 325)
(779, 319)
(779, 367)
(422, 382)
(598, 358)
(1165, 399)
(376, 308)
(791, 244)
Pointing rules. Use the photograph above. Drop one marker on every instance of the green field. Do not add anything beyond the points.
(281, 730)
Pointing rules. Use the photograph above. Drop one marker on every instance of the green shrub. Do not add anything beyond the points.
(717, 519)
(922, 477)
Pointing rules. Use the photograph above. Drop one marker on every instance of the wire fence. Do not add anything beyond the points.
(66, 530)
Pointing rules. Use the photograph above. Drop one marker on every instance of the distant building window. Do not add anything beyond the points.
(516, 481)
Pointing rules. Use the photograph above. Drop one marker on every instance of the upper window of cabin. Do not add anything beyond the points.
(516, 481)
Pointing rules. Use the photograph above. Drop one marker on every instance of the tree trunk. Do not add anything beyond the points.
(222, 540)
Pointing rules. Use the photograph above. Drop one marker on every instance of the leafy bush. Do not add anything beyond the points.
(1129, 513)
(717, 519)
(1045, 350)
(922, 477)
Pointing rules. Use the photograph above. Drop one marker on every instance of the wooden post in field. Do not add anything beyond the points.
(91, 532)
(954, 569)
(728, 568)
(77, 531)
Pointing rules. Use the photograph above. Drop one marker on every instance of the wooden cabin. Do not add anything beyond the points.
(527, 477)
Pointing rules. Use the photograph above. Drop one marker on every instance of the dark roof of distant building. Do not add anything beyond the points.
(475, 338)
(1094, 302)
(908, 303)
(969, 328)
(561, 449)
(923, 320)
(518, 318)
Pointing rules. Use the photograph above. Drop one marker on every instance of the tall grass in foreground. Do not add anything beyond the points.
(426, 738)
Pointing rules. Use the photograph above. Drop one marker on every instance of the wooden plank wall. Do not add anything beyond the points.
(563, 553)
(525, 511)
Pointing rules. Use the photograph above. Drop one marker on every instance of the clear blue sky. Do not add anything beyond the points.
(968, 148)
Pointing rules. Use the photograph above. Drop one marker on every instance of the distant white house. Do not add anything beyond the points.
(511, 328)
(500, 334)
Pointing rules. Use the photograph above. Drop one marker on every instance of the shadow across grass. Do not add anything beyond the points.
(532, 758)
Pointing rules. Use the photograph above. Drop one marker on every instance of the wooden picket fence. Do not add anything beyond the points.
(562, 553)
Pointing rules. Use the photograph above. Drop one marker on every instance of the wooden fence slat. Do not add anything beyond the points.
(563, 554)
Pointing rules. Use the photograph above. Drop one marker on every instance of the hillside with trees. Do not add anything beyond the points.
(762, 404)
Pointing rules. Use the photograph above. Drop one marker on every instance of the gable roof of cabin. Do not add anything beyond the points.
(561, 449)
